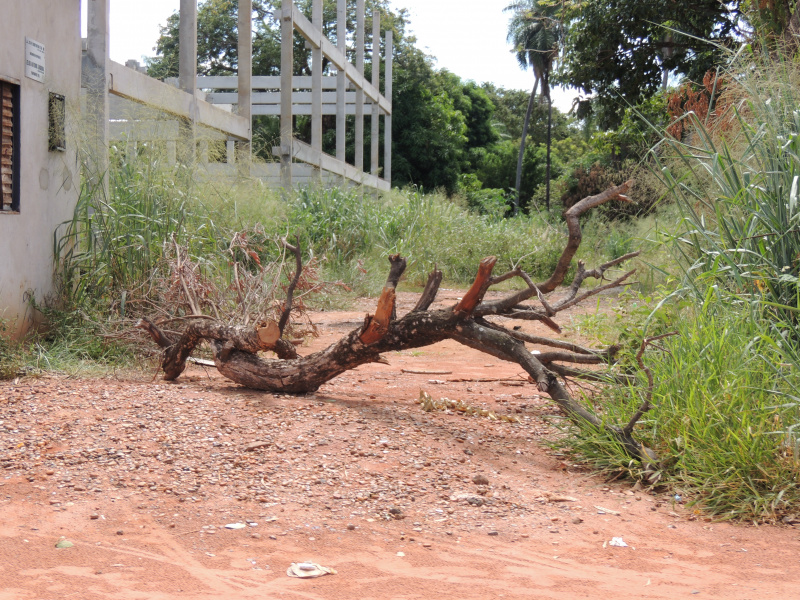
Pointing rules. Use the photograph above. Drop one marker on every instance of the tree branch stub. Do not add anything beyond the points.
(287, 307)
(377, 325)
(430, 291)
(478, 289)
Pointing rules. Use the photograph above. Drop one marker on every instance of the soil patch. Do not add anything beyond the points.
(142, 477)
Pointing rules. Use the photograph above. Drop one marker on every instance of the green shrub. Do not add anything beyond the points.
(492, 203)
(618, 244)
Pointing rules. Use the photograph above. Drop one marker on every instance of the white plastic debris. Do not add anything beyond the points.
(309, 569)
(235, 526)
(618, 541)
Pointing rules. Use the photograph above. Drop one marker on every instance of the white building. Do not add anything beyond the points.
(40, 78)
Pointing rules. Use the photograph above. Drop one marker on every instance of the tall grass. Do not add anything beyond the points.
(114, 241)
(113, 245)
(738, 188)
(724, 406)
(429, 230)
(111, 251)
(726, 411)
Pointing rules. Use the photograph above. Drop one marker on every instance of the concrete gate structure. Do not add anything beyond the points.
(247, 95)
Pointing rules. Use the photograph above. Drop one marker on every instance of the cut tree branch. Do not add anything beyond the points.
(236, 349)
(478, 289)
(375, 327)
(572, 216)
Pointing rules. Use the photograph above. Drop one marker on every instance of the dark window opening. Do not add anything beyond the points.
(57, 130)
(9, 146)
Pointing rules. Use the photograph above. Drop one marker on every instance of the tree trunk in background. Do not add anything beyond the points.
(525, 123)
(666, 53)
(546, 90)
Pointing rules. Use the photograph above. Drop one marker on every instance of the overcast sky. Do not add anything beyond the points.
(467, 37)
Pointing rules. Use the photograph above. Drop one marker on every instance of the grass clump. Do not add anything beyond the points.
(724, 409)
(12, 358)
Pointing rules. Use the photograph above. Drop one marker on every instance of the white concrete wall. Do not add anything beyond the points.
(49, 181)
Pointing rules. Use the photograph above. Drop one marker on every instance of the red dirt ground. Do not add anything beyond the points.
(143, 475)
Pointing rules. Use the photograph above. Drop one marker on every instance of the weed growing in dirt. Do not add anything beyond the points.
(12, 358)
(725, 407)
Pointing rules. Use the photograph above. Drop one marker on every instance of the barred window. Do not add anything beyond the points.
(9, 146)
(57, 136)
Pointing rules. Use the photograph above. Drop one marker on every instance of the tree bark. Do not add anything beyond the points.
(572, 217)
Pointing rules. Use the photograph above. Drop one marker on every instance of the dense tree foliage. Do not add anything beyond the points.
(429, 134)
(495, 165)
(443, 128)
(619, 50)
(481, 141)
(217, 52)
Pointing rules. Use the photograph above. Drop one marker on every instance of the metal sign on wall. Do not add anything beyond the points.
(34, 59)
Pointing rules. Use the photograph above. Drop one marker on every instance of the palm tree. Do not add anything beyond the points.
(535, 31)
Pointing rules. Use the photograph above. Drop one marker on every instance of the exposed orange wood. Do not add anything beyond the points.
(379, 324)
(478, 288)
(268, 333)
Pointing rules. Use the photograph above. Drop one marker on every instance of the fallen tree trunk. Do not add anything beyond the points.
(235, 349)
